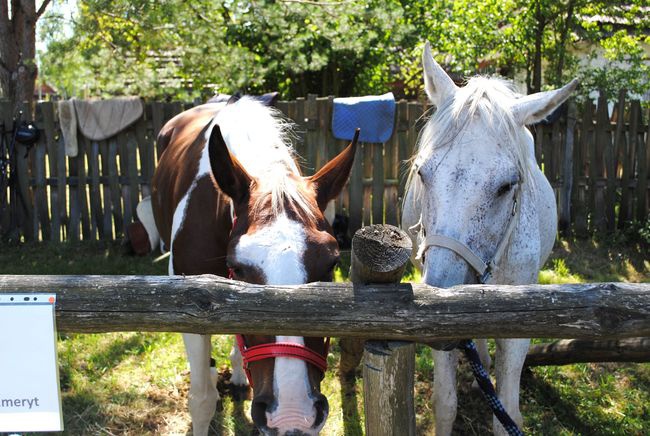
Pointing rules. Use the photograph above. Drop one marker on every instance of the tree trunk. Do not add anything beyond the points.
(559, 68)
(537, 61)
(18, 69)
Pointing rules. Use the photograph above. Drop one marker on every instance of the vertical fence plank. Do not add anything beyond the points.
(132, 172)
(146, 155)
(368, 150)
(583, 168)
(107, 197)
(404, 152)
(41, 209)
(609, 155)
(83, 190)
(47, 110)
(377, 190)
(157, 121)
(24, 212)
(5, 206)
(73, 192)
(62, 184)
(40, 169)
(567, 172)
(628, 156)
(391, 175)
(114, 183)
(311, 137)
(127, 210)
(96, 214)
(597, 166)
(356, 191)
(643, 156)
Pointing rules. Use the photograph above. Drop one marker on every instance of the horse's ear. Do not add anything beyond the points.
(534, 108)
(329, 181)
(437, 83)
(229, 174)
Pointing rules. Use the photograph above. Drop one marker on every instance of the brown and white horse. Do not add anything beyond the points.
(262, 222)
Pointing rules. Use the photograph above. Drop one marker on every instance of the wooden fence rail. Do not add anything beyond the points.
(414, 312)
(597, 163)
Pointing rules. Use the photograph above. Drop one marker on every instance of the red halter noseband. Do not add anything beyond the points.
(278, 349)
(281, 349)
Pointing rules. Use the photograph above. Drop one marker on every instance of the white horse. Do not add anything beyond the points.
(480, 209)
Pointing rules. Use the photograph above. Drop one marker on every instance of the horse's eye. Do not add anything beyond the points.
(505, 188)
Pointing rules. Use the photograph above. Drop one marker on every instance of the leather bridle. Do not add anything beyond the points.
(272, 350)
(483, 269)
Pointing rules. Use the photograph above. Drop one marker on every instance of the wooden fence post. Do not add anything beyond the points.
(379, 255)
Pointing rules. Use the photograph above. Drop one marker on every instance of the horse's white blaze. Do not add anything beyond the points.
(277, 250)
(291, 388)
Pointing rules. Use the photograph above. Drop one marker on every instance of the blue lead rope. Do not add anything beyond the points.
(483, 380)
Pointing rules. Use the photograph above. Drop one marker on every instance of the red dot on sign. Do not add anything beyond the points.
(51, 300)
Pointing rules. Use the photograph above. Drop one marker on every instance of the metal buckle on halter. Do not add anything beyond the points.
(487, 275)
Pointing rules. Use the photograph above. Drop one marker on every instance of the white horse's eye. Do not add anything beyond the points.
(506, 187)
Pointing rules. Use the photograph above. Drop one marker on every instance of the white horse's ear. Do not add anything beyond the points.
(437, 83)
(534, 108)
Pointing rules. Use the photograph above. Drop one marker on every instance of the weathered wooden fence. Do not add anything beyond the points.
(598, 167)
(411, 312)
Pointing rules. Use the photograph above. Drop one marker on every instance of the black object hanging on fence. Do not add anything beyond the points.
(25, 133)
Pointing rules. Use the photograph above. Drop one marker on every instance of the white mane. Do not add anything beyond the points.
(488, 98)
(260, 138)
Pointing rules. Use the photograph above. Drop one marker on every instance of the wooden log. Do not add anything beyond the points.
(566, 352)
(417, 312)
(379, 255)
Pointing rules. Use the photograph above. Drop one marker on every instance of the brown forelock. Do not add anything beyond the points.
(183, 139)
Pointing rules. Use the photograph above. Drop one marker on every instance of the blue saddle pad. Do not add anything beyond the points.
(373, 114)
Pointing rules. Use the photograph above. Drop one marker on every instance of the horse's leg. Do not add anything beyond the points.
(203, 394)
(238, 378)
(484, 355)
(510, 357)
(444, 390)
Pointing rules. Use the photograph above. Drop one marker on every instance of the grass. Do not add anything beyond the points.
(137, 383)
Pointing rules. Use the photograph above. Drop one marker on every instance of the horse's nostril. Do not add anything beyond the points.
(259, 407)
(322, 409)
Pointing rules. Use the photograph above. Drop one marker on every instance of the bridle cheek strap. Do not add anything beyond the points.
(281, 349)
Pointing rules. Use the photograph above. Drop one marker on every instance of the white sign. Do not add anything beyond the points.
(29, 378)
